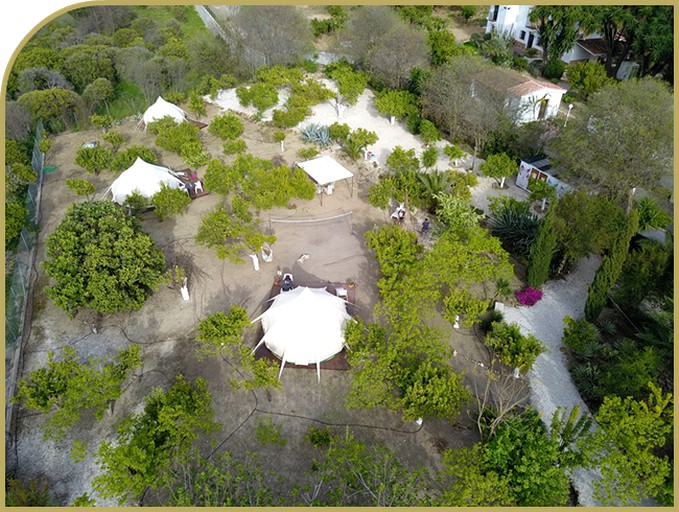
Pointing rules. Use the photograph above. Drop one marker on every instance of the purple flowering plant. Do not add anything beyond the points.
(528, 296)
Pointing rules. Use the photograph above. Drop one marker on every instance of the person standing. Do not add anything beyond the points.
(425, 227)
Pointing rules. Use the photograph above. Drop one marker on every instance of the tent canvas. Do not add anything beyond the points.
(162, 108)
(143, 177)
(304, 326)
(325, 169)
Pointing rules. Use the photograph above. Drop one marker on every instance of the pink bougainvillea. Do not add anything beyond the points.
(528, 296)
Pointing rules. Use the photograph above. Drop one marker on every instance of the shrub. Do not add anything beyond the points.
(319, 437)
(528, 296)
(512, 347)
(308, 152)
(554, 69)
(291, 117)
(233, 147)
(226, 126)
(169, 201)
(125, 159)
(339, 132)
(516, 229)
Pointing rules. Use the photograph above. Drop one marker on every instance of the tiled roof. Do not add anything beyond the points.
(596, 46)
(533, 85)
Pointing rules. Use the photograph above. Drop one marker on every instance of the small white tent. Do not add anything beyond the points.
(325, 171)
(162, 108)
(304, 326)
(143, 177)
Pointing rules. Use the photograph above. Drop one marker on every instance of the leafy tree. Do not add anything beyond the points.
(523, 454)
(222, 335)
(50, 104)
(558, 28)
(365, 29)
(653, 40)
(222, 480)
(429, 157)
(351, 473)
(442, 46)
(457, 214)
(103, 122)
(541, 190)
(196, 104)
(83, 64)
(173, 136)
(428, 132)
(651, 216)
(81, 187)
(568, 428)
(395, 103)
(611, 267)
(453, 152)
(234, 147)
(357, 141)
(230, 236)
(124, 159)
(512, 347)
(32, 79)
(148, 442)
(468, 484)
(65, 389)
(100, 259)
(541, 253)
(403, 161)
(94, 159)
(262, 96)
(625, 446)
(615, 154)
(643, 274)
(226, 126)
(499, 167)
(468, 12)
(350, 83)
(280, 32)
(586, 78)
(98, 93)
(169, 201)
(16, 216)
(114, 138)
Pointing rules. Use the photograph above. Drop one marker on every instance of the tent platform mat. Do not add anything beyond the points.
(336, 362)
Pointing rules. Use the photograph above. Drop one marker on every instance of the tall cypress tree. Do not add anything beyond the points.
(541, 252)
(610, 269)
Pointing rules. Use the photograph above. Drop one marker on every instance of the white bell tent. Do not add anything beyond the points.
(144, 178)
(304, 326)
(162, 108)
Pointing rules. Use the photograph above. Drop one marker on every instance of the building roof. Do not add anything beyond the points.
(596, 46)
(325, 169)
(507, 80)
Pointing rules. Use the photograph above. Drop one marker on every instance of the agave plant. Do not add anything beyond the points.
(317, 134)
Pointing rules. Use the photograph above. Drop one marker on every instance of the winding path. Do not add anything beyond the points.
(550, 382)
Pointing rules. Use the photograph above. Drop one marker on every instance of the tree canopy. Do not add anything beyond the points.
(100, 259)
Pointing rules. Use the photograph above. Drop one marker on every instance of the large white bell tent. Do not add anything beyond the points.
(162, 108)
(144, 178)
(304, 326)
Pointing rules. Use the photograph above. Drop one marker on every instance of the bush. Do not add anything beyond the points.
(308, 152)
(528, 296)
(339, 132)
(169, 201)
(512, 347)
(227, 126)
(519, 63)
(233, 147)
(554, 69)
(319, 437)
(125, 159)
(516, 229)
(291, 117)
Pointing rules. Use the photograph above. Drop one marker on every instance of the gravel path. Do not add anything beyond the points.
(550, 382)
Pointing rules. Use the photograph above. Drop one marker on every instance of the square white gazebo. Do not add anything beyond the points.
(325, 171)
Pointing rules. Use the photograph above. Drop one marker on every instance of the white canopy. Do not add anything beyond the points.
(162, 108)
(325, 169)
(304, 326)
(143, 177)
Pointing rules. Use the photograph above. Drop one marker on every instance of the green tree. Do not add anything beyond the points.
(115, 139)
(541, 190)
(65, 389)
(226, 126)
(173, 136)
(521, 452)
(615, 154)
(262, 96)
(499, 166)
(453, 152)
(350, 83)
(148, 442)
(468, 484)
(16, 216)
(625, 446)
(357, 141)
(429, 157)
(50, 104)
(98, 93)
(558, 28)
(94, 159)
(428, 132)
(611, 267)
(351, 473)
(541, 253)
(169, 201)
(397, 104)
(222, 335)
(651, 216)
(442, 46)
(81, 187)
(457, 214)
(196, 104)
(586, 78)
(513, 348)
(84, 64)
(99, 258)
(124, 159)
(468, 12)
(643, 274)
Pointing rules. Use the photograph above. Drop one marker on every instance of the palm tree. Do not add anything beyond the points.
(435, 183)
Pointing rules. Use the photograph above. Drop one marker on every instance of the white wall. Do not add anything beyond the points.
(529, 106)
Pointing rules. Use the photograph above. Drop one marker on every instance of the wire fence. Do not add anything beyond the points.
(20, 265)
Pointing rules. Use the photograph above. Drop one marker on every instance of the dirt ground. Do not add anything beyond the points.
(165, 326)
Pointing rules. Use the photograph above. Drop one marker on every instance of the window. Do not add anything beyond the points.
(523, 35)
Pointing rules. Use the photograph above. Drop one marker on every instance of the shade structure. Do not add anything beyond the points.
(162, 108)
(325, 169)
(304, 326)
(144, 178)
